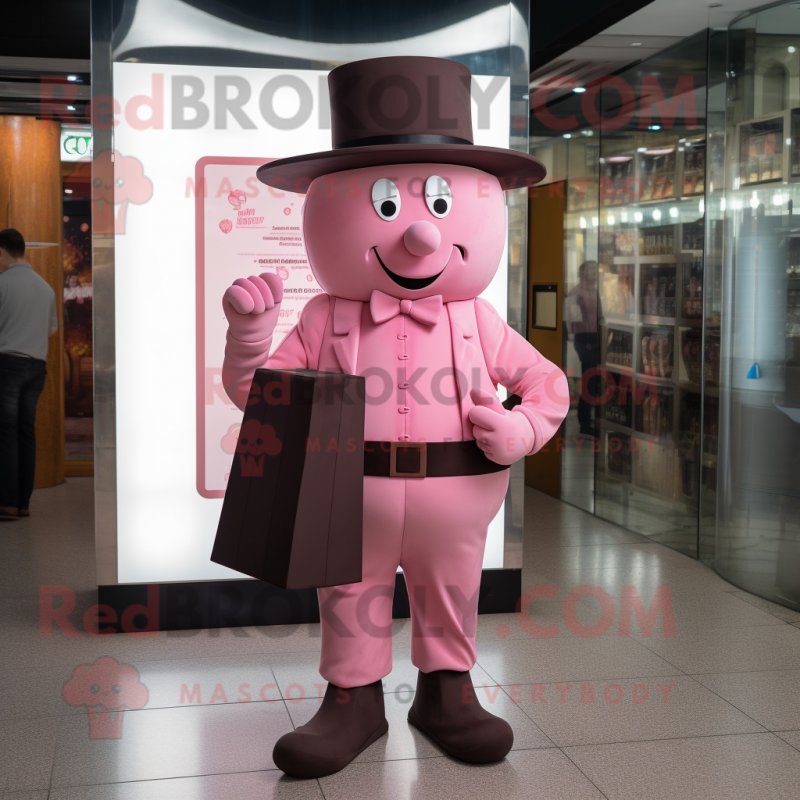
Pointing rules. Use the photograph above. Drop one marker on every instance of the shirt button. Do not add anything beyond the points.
(404, 385)
(403, 409)
(403, 438)
(402, 336)
(403, 356)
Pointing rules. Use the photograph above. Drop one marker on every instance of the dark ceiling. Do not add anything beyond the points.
(558, 27)
(45, 29)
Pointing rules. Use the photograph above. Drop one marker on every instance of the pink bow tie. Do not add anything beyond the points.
(384, 307)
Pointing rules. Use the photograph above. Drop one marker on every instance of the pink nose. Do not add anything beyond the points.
(422, 238)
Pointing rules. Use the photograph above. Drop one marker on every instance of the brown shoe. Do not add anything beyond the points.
(24, 512)
(7, 513)
(347, 722)
(447, 710)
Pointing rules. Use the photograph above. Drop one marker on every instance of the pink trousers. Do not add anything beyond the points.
(435, 529)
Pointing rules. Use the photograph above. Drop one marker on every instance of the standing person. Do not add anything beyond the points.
(409, 236)
(27, 320)
(584, 326)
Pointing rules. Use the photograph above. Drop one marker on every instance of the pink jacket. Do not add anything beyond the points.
(485, 350)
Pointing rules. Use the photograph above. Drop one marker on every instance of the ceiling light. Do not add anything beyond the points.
(72, 77)
(641, 149)
(619, 159)
(656, 214)
(610, 219)
(791, 49)
(654, 127)
(567, 135)
(673, 212)
(638, 216)
(70, 108)
(581, 89)
(67, 191)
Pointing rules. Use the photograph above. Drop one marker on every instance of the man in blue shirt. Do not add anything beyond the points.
(27, 319)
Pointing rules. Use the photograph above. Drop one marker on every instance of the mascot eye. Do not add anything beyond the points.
(116, 688)
(94, 688)
(386, 199)
(438, 196)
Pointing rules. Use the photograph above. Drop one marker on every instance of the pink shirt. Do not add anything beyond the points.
(488, 352)
(410, 381)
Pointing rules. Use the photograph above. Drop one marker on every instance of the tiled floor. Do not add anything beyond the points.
(712, 711)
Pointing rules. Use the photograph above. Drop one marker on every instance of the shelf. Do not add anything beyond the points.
(692, 252)
(615, 426)
(657, 379)
(645, 437)
(662, 259)
(615, 319)
(743, 185)
(618, 368)
(655, 321)
(694, 388)
(653, 200)
(630, 321)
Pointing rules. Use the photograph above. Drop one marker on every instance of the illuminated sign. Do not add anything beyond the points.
(173, 145)
(75, 144)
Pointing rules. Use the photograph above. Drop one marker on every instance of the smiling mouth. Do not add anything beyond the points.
(414, 283)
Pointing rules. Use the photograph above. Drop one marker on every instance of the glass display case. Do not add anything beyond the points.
(688, 429)
(634, 448)
(650, 285)
(754, 230)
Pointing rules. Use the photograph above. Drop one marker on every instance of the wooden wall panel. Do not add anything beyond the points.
(30, 201)
(546, 265)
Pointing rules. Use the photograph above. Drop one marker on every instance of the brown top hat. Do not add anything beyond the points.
(401, 110)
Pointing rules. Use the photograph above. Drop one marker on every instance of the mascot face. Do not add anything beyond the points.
(409, 230)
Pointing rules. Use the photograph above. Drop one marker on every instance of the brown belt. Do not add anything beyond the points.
(426, 459)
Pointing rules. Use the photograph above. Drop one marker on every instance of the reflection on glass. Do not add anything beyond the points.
(633, 303)
(752, 360)
(581, 319)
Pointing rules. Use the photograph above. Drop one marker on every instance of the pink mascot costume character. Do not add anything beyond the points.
(404, 224)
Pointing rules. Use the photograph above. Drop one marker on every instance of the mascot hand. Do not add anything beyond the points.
(505, 436)
(252, 306)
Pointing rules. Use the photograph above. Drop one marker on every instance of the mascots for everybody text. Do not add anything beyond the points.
(405, 224)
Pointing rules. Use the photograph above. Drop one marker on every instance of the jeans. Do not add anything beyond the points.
(586, 346)
(21, 383)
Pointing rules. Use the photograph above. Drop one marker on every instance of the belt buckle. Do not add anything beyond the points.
(423, 459)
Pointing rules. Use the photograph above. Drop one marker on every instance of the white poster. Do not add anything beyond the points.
(179, 130)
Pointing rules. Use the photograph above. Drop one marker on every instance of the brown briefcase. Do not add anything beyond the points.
(292, 513)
